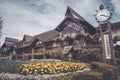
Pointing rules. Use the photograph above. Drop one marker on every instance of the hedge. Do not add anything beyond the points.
(99, 71)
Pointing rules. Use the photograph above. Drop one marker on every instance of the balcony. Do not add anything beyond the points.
(4, 58)
(77, 48)
(49, 51)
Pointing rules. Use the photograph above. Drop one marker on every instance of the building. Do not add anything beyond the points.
(72, 35)
(8, 47)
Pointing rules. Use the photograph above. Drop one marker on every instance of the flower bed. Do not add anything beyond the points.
(51, 67)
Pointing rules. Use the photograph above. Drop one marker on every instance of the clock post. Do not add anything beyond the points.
(103, 17)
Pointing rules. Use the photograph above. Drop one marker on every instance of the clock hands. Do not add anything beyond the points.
(104, 15)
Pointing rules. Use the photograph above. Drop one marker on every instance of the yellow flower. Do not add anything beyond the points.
(51, 67)
(35, 70)
(30, 72)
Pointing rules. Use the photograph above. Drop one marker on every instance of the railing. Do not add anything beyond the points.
(92, 46)
(50, 51)
(4, 58)
(77, 48)
(42, 52)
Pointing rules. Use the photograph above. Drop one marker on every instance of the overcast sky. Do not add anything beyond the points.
(32, 17)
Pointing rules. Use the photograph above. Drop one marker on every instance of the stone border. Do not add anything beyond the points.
(10, 76)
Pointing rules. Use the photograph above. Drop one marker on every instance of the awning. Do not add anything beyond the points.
(67, 49)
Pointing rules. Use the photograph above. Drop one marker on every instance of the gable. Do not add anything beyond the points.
(9, 42)
(27, 38)
(71, 13)
(13, 40)
(74, 17)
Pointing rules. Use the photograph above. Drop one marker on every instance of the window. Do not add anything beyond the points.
(71, 28)
(5, 49)
(82, 31)
(56, 44)
(39, 42)
(107, 46)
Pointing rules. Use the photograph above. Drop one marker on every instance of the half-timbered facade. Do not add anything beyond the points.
(8, 47)
(72, 35)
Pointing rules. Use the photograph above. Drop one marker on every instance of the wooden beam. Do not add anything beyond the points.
(32, 54)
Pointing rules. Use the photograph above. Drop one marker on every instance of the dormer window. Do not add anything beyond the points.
(39, 42)
(5, 49)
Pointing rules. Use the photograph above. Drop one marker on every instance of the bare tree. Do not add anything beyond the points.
(1, 26)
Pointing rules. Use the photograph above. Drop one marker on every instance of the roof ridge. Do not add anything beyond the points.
(72, 13)
(45, 32)
(27, 35)
(11, 38)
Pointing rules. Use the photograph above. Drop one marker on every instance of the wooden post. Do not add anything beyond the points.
(32, 53)
(44, 57)
(14, 53)
(23, 55)
(113, 60)
(10, 57)
(108, 54)
(103, 47)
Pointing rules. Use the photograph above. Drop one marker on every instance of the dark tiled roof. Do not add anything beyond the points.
(116, 24)
(32, 41)
(90, 28)
(44, 37)
(47, 36)
(19, 44)
(71, 13)
(10, 41)
(9, 44)
(27, 38)
(117, 38)
(13, 40)
(74, 16)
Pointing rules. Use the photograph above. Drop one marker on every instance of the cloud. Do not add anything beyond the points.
(87, 8)
(116, 7)
(32, 17)
(116, 4)
(20, 20)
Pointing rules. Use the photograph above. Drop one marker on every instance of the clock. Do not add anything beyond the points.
(103, 15)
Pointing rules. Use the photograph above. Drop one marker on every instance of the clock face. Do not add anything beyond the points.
(103, 15)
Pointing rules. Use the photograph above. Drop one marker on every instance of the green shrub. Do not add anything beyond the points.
(88, 55)
(91, 75)
(71, 76)
(57, 53)
(109, 71)
(87, 75)
(9, 68)
(99, 71)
